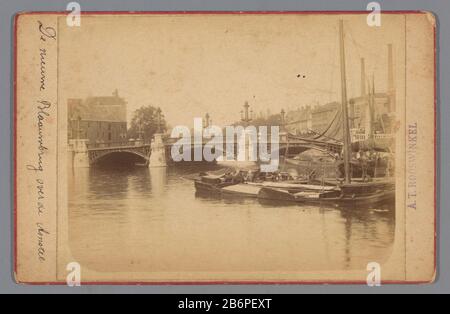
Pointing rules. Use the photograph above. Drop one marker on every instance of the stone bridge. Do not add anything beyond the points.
(288, 145)
(82, 154)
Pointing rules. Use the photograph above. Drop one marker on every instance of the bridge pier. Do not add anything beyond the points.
(158, 152)
(78, 153)
(284, 137)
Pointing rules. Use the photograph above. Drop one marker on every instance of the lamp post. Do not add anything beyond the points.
(78, 128)
(246, 115)
(282, 118)
(207, 121)
(158, 120)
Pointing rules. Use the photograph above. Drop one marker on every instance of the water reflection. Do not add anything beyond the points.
(144, 219)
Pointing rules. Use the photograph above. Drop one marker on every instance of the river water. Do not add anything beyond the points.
(140, 219)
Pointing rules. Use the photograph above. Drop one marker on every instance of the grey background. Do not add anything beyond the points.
(9, 8)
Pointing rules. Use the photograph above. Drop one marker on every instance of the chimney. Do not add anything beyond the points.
(363, 77)
(391, 86)
(391, 83)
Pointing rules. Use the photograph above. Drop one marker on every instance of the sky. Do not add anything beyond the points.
(192, 64)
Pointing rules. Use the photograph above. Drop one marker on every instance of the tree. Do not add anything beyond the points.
(147, 121)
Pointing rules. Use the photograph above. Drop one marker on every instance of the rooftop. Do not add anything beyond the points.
(99, 108)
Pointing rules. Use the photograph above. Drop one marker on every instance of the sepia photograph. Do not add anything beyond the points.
(226, 148)
(164, 148)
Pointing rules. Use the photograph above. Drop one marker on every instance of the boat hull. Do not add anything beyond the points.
(328, 198)
(241, 190)
(208, 188)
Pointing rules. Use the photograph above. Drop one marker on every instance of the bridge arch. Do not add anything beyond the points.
(122, 157)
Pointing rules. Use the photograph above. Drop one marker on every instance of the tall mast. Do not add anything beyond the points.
(372, 110)
(345, 125)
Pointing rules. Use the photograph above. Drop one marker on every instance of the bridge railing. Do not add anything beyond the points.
(116, 144)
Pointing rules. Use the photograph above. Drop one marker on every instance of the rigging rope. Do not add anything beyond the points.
(329, 126)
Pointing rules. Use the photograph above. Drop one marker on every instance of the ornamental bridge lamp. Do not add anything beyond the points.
(158, 121)
(283, 131)
(246, 115)
(158, 154)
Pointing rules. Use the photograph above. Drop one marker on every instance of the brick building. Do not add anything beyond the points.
(98, 119)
